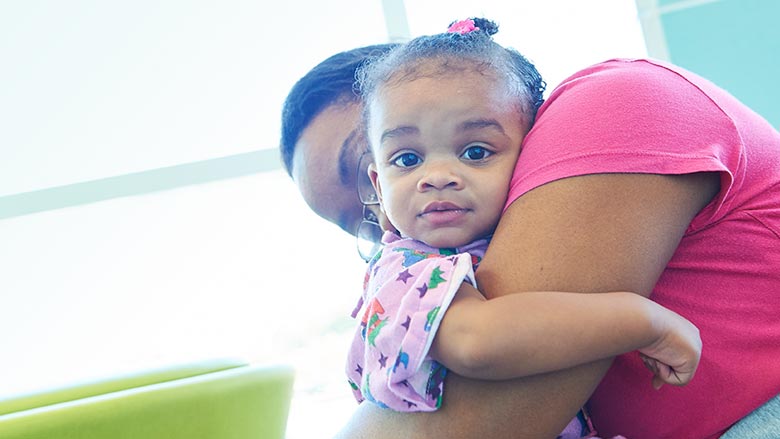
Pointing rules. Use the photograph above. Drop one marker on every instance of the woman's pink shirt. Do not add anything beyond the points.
(644, 116)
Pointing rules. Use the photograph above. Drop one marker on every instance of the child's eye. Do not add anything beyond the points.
(476, 153)
(406, 160)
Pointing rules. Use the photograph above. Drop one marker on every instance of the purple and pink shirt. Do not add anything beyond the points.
(407, 290)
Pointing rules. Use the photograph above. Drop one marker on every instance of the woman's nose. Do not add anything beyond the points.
(439, 176)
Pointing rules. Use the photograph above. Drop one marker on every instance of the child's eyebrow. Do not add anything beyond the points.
(398, 132)
(468, 125)
(475, 124)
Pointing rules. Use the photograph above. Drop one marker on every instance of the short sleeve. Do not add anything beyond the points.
(408, 294)
(630, 116)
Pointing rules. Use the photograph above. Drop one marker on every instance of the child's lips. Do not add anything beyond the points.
(438, 206)
(442, 212)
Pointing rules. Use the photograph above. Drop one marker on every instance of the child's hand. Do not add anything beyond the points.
(674, 357)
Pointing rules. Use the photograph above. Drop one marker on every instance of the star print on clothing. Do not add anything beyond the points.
(399, 313)
(423, 289)
(359, 370)
(404, 276)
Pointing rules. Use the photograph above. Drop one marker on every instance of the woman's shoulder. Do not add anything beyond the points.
(648, 85)
(633, 78)
(635, 105)
(630, 68)
(630, 116)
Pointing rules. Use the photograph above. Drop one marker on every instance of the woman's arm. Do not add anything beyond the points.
(607, 232)
(524, 334)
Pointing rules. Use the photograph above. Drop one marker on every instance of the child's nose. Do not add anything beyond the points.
(439, 176)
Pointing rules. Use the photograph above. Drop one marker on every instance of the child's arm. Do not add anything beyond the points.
(528, 333)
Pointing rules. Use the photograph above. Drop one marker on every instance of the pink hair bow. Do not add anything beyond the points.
(462, 27)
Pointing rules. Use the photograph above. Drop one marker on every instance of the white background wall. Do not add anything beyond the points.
(238, 267)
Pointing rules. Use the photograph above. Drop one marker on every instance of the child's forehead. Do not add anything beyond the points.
(440, 67)
(436, 87)
(442, 91)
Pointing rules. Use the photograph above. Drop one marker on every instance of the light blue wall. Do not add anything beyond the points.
(734, 43)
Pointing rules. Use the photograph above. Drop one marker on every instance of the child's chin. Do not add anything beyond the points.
(445, 241)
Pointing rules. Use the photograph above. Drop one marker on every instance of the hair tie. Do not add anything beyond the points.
(462, 27)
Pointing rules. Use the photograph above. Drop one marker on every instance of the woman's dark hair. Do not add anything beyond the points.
(329, 82)
(454, 52)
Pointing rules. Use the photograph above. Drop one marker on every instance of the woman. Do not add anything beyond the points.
(637, 176)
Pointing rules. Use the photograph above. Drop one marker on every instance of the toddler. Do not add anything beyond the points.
(445, 118)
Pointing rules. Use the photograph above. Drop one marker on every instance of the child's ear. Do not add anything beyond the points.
(384, 221)
(374, 176)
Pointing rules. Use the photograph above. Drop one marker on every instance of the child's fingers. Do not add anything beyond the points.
(667, 374)
(650, 363)
(657, 382)
(672, 376)
(664, 374)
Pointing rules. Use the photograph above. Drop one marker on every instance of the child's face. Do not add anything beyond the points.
(445, 147)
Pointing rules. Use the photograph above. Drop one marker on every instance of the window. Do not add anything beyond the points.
(144, 219)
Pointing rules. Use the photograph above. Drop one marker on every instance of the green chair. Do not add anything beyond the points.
(220, 399)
